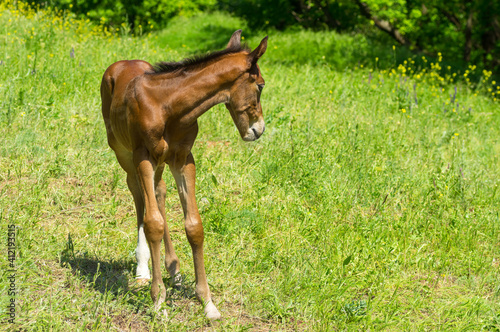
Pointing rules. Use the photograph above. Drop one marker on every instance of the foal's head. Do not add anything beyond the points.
(244, 99)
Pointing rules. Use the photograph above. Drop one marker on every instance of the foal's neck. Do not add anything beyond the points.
(193, 93)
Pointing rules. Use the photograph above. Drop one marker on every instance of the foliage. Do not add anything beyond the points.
(461, 29)
(370, 203)
(141, 15)
(465, 31)
(262, 14)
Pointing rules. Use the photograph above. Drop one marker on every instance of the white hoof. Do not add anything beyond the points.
(164, 314)
(161, 313)
(211, 311)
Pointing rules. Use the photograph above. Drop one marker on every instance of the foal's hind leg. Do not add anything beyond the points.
(153, 221)
(142, 254)
(142, 251)
(171, 260)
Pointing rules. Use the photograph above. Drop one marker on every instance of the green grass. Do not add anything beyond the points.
(369, 203)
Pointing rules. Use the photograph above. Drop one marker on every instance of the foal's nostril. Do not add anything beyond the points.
(255, 133)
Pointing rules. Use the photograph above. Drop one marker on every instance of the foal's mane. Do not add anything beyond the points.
(194, 62)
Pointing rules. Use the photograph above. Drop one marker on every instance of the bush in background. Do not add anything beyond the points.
(140, 16)
(463, 31)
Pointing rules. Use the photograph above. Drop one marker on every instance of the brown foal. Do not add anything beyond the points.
(151, 113)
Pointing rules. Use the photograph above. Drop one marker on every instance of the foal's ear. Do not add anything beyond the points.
(258, 52)
(235, 40)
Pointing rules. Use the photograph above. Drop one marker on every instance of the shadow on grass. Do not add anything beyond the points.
(104, 276)
(219, 37)
(199, 34)
(113, 276)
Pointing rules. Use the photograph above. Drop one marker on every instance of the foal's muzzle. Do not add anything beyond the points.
(255, 131)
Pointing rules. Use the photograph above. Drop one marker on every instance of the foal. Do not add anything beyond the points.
(151, 113)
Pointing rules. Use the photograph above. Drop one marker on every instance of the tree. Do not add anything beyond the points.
(462, 29)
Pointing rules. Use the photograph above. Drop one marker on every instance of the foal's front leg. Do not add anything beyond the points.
(171, 259)
(184, 173)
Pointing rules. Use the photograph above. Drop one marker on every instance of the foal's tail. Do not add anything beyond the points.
(116, 78)
(107, 87)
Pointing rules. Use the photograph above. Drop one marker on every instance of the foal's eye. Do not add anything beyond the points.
(261, 86)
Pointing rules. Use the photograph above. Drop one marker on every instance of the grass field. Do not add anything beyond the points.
(370, 203)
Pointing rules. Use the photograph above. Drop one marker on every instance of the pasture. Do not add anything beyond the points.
(370, 203)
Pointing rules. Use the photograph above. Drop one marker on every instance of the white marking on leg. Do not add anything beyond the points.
(142, 255)
(211, 311)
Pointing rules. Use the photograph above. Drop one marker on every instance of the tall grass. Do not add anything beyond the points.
(369, 203)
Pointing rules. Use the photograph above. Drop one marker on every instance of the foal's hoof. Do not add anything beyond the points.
(211, 311)
(176, 281)
(141, 281)
(163, 314)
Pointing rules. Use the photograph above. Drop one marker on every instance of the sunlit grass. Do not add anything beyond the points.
(371, 202)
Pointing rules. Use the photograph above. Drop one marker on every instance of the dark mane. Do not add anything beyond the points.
(194, 62)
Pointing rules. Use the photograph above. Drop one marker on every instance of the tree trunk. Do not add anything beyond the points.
(468, 37)
(381, 24)
(452, 18)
